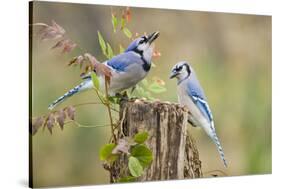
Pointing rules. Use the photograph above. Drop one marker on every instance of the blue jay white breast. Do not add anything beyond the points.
(127, 69)
(191, 94)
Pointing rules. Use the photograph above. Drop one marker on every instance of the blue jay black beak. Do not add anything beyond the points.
(152, 37)
(173, 74)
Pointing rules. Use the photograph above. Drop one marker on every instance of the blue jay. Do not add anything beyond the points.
(191, 94)
(127, 69)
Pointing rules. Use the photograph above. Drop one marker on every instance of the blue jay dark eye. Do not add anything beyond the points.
(179, 68)
(141, 42)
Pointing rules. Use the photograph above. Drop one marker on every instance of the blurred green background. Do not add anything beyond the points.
(231, 54)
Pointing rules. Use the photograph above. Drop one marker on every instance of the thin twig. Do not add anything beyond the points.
(94, 103)
(109, 110)
(86, 103)
(213, 171)
(85, 126)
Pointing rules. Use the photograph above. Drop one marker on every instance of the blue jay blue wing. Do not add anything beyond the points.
(197, 95)
(203, 107)
(122, 61)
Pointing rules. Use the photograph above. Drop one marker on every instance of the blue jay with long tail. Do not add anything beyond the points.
(191, 94)
(127, 69)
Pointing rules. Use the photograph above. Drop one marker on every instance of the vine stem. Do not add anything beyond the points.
(109, 109)
(94, 103)
(86, 126)
(216, 170)
(86, 103)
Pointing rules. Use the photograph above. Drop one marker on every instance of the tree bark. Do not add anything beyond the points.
(175, 155)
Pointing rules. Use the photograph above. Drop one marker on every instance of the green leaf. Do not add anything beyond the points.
(105, 153)
(113, 99)
(123, 23)
(127, 179)
(140, 90)
(127, 32)
(145, 82)
(95, 81)
(135, 167)
(109, 51)
(156, 88)
(147, 95)
(142, 153)
(151, 98)
(121, 49)
(114, 21)
(141, 137)
(102, 43)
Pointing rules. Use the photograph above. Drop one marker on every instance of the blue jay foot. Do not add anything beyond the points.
(133, 89)
(123, 96)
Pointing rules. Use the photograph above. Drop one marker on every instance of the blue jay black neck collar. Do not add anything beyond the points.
(180, 81)
(146, 66)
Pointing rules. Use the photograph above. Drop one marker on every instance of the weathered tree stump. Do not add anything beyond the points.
(175, 155)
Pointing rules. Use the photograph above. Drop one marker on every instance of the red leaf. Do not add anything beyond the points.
(128, 14)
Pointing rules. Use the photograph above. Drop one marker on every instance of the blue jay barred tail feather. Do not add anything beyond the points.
(219, 147)
(86, 84)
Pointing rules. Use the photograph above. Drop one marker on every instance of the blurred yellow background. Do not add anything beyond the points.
(231, 54)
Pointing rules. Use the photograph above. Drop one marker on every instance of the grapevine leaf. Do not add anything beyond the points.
(143, 154)
(106, 153)
(141, 137)
(135, 167)
(127, 179)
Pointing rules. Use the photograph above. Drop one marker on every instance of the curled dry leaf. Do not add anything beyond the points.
(54, 31)
(77, 60)
(38, 122)
(68, 46)
(50, 122)
(80, 59)
(91, 59)
(70, 111)
(60, 118)
(59, 44)
(100, 68)
(122, 146)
